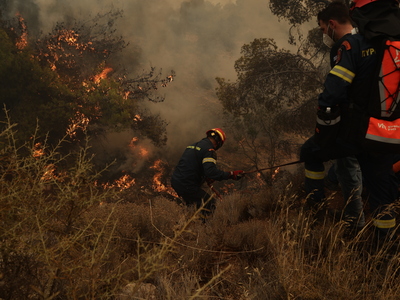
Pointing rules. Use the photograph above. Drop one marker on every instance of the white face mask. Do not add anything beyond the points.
(327, 40)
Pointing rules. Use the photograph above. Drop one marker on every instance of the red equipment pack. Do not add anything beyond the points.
(379, 22)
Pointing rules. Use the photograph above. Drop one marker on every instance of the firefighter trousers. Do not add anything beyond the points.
(194, 195)
(377, 171)
(346, 172)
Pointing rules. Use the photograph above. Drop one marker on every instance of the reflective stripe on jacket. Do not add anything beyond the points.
(198, 161)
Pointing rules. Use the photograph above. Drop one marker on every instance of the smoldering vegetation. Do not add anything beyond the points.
(65, 236)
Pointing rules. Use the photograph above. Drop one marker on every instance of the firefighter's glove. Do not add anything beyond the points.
(236, 175)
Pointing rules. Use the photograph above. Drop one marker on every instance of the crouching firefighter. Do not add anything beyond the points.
(343, 118)
(198, 165)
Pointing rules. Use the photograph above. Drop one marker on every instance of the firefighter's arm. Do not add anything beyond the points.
(334, 95)
(211, 171)
(339, 78)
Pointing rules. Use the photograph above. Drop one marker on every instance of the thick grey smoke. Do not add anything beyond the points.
(198, 39)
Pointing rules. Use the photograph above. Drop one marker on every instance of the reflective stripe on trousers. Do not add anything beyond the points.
(315, 175)
(314, 185)
(384, 224)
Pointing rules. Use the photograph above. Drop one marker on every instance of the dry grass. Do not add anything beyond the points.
(64, 238)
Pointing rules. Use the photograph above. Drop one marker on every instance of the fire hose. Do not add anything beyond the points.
(209, 182)
(214, 190)
(274, 167)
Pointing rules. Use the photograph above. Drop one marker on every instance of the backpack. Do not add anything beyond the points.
(379, 22)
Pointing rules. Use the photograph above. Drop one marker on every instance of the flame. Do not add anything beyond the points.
(158, 186)
(22, 41)
(71, 37)
(123, 183)
(102, 75)
(55, 47)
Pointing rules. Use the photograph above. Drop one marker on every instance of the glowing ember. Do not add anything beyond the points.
(49, 173)
(137, 118)
(80, 121)
(168, 80)
(71, 38)
(126, 95)
(38, 150)
(23, 39)
(55, 52)
(275, 173)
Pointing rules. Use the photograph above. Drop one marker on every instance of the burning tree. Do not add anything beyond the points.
(85, 56)
(70, 82)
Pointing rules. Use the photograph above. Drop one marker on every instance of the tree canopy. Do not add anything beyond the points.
(297, 12)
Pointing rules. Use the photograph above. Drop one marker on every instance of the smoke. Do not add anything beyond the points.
(198, 39)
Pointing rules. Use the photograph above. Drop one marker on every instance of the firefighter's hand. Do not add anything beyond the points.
(236, 175)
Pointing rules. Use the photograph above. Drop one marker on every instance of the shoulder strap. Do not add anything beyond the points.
(377, 18)
(360, 3)
(389, 78)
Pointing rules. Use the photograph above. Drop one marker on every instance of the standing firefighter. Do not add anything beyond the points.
(343, 115)
(197, 165)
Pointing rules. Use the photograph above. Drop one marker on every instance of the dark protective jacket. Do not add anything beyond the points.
(346, 93)
(352, 59)
(197, 163)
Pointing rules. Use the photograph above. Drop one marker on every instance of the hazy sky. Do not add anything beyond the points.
(198, 39)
